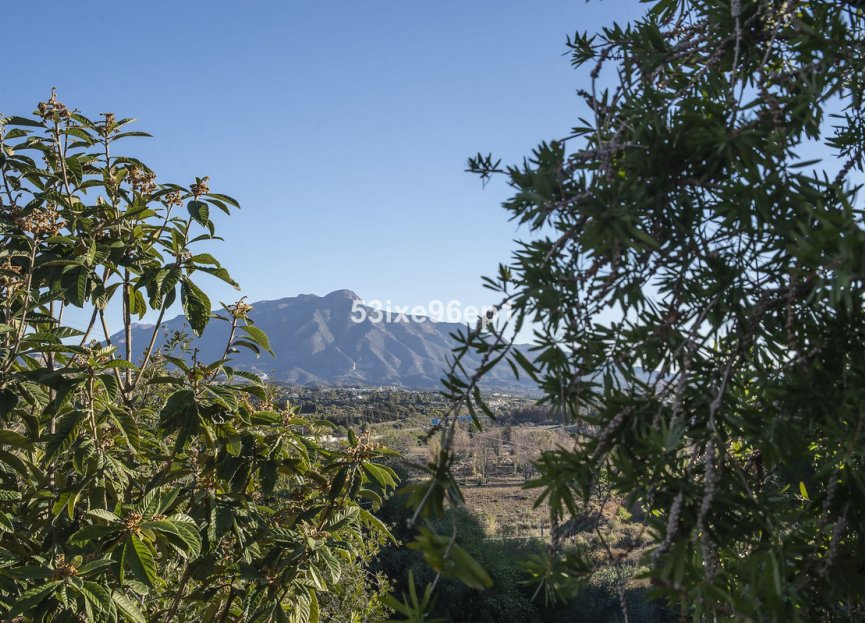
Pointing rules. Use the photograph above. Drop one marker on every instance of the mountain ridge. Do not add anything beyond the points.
(326, 340)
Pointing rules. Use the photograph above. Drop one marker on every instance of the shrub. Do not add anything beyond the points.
(135, 485)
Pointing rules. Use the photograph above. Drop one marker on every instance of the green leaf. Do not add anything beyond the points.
(11, 438)
(23, 121)
(180, 411)
(258, 336)
(66, 433)
(338, 483)
(127, 424)
(233, 444)
(205, 258)
(380, 474)
(224, 198)
(199, 211)
(91, 533)
(81, 287)
(185, 534)
(32, 598)
(103, 514)
(196, 306)
(249, 376)
(212, 524)
(140, 559)
(127, 608)
(314, 613)
(95, 565)
(7, 495)
(96, 596)
(451, 559)
(120, 363)
(109, 382)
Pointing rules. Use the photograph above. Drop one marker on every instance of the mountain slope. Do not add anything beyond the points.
(317, 340)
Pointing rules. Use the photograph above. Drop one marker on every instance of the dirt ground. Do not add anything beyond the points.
(499, 499)
(505, 508)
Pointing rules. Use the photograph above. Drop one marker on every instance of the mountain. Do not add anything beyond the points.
(318, 339)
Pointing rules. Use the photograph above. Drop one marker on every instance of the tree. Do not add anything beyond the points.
(695, 273)
(140, 486)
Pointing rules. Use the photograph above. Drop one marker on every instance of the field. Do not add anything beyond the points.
(493, 464)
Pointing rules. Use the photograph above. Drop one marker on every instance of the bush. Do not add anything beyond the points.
(135, 485)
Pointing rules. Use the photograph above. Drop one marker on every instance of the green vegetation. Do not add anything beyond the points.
(696, 284)
(684, 229)
(140, 486)
(505, 554)
(359, 406)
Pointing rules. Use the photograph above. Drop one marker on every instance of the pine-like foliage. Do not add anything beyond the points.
(695, 276)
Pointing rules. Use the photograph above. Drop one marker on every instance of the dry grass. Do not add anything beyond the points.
(506, 508)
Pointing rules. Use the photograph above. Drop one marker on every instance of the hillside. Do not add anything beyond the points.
(316, 340)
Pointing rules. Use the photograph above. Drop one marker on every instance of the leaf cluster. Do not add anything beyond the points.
(138, 485)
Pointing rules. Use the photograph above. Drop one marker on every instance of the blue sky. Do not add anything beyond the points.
(341, 127)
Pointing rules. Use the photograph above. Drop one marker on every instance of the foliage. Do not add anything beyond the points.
(510, 597)
(139, 486)
(695, 281)
(598, 601)
(455, 599)
(359, 597)
(360, 406)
